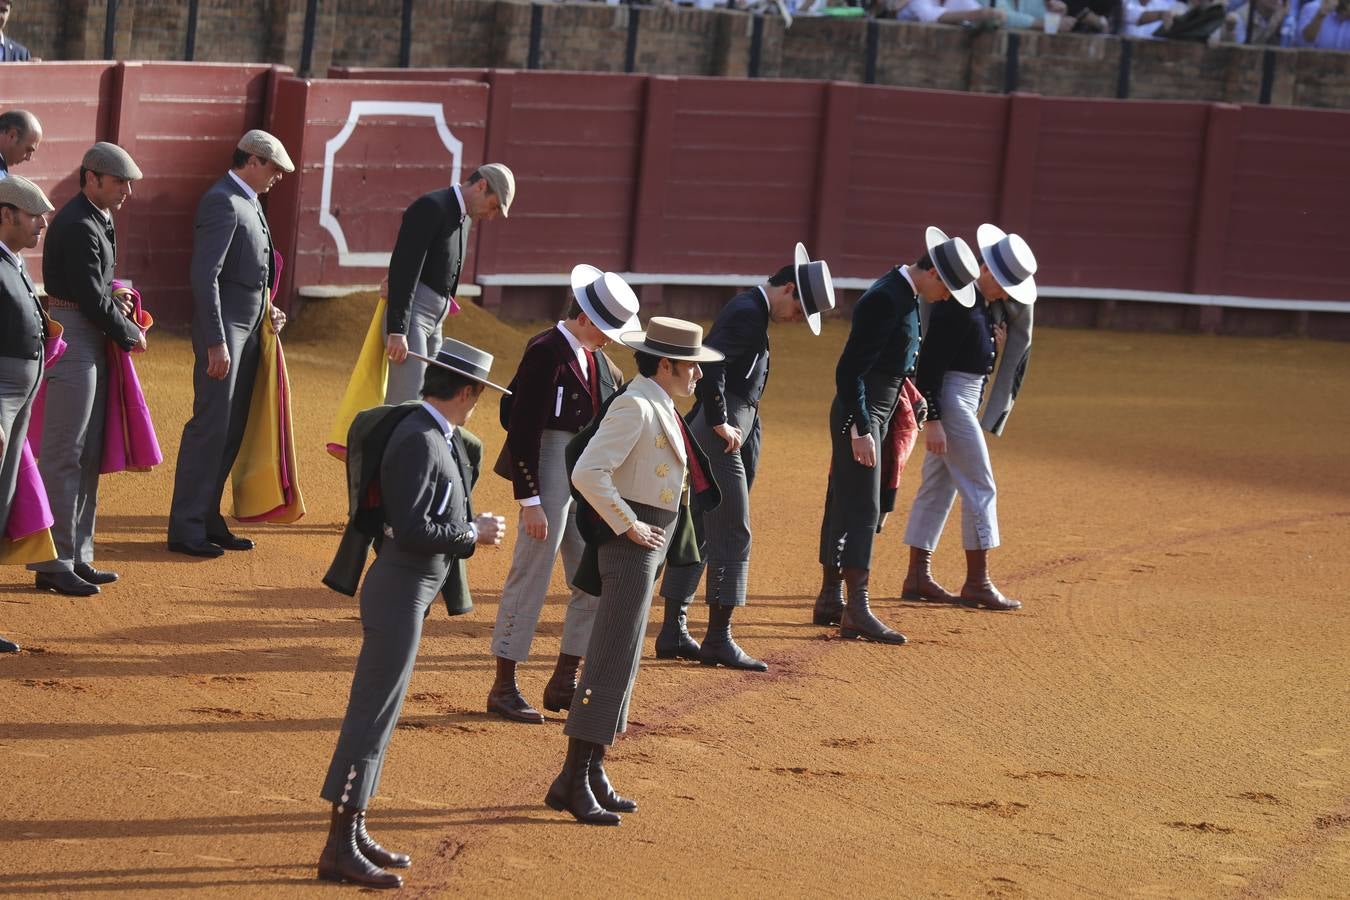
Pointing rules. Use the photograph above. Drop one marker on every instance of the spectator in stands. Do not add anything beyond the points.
(886, 9)
(1267, 23)
(1145, 18)
(1325, 25)
(1096, 16)
(20, 135)
(10, 49)
(953, 12)
(1031, 14)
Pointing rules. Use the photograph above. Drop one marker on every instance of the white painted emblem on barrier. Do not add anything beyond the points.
(359, 108)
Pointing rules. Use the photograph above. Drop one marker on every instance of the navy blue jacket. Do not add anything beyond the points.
(958, 340)
(883, 339)
(742, 333)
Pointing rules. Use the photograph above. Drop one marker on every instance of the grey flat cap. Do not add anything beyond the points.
(22, 193)
(502, 182)
(266, 146)
(110, 159)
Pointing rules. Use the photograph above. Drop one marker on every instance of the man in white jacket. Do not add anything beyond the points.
(635, 473)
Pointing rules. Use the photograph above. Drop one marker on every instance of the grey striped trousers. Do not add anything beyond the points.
(72, 439)
(424, 337)
(725, 531)
(532, 564)
(964, 470)
(627, 574)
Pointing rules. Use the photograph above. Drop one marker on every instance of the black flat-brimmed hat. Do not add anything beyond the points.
(955, 263)
(673, 339)
(815, 288)
(606, 299)
(1010, 261)
(463, 358)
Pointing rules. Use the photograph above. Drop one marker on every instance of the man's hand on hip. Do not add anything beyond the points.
(645, 535)
(731, 434)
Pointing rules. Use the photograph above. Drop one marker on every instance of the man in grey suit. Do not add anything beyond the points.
(425, 482)
(23, 332)
(232, 275)
(78, 259)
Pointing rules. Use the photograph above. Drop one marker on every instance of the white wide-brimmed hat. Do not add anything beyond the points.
(955, 263)
(606, 299)
(463, 358)
(673, 339)
(1010, 261)
(815, 288)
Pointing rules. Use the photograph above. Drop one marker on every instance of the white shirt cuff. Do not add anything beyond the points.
(529, 501)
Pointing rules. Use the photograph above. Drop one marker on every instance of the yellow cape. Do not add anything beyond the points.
(366, 389)
(265, 483)
(35, 548)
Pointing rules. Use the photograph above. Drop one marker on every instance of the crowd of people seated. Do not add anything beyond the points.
(1318, 24)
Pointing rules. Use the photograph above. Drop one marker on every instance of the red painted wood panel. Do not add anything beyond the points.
(1286, 231)
(1114, 198)
(918, 158)
(386, 162)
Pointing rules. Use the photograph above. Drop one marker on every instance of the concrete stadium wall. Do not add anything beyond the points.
(678, 41)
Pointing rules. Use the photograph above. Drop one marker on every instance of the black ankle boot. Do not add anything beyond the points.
(858, 621)
(829, 607)
(674, 640)
(571, 790)
(602, 789)
(385, 859)
(342, 859)
(720, 648)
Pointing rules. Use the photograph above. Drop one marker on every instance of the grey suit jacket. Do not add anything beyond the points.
(231, 262)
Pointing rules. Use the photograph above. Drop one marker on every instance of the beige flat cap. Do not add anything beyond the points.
(19, 192)
(266, 146)
(110, 159)
(502, 183)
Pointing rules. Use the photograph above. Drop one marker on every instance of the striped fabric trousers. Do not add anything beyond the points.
(627, 576)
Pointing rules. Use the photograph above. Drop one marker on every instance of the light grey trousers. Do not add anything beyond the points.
(532, 564)
(627, 574)
(424, 337)
(72, 439)
(18, 386)
(724, 532)
(964, 469)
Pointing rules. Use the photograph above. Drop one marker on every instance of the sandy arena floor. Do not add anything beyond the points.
(1168, 717)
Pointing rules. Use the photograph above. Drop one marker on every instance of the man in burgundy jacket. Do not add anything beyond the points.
(561, 383)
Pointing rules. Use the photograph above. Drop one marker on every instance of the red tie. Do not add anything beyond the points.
(696, 476)
(593, 379)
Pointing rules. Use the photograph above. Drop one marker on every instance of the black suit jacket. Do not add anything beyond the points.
(15, 52)
(430, 249)
(548, 391)
(23, 327)
(958, 339)
(78, 256)
(742, 333)
(884, 338)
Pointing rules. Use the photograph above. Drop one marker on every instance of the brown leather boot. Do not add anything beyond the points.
(562, 685)
(571, 790)
(385, 859)
(829, 608)
(979, 591)
(919, 583)
(858, 621)
(505, 699)
(343, 861)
